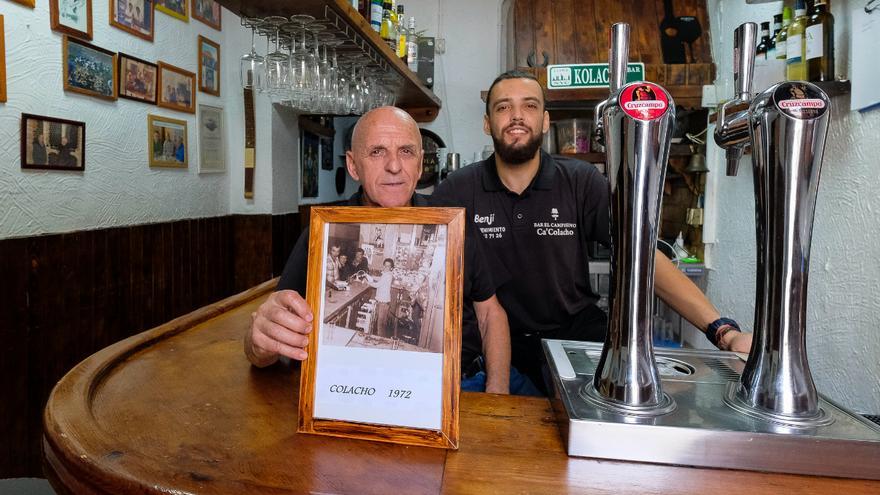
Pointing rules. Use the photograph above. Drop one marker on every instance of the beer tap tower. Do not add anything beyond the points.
(626, 400)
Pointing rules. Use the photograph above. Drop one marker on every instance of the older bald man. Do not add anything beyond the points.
(386, 158)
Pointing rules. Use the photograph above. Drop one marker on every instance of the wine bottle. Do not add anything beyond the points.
(412, 46)
(376, 15)
(795, 46)
(782, 37)
(777, 26)
(820, 43)
(764, 45)
(401, 34)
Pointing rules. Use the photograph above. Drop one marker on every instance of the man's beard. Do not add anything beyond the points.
(517, 154)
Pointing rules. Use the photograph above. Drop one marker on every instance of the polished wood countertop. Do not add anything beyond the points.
(178, 409)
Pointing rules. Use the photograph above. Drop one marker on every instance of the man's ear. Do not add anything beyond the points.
(486, 127)
(349, 165)
(546, 126)
(422, 164)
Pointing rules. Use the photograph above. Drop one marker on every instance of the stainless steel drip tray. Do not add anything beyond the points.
(703, 430)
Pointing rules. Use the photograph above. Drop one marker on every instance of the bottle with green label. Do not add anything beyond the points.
(795, 45)
(820, 43)
(782, 37)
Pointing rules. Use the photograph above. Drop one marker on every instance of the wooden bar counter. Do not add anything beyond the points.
(178, 409)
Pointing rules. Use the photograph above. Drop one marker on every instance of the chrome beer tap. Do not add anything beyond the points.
(732, 130)
(637, 121)
(787, 126)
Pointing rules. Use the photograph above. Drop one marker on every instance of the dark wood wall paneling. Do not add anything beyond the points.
(65, 296)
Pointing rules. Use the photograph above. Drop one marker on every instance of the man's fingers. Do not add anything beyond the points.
(283, 316)
(269, 332)
(294, 302)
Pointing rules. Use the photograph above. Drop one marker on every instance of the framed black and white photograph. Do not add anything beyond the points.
(72, 17)
(385, 286)
(50, 143)
(134, 17)
(212, 142)
(167, 142)
(89, 69)
(138, 79)
(309, 150)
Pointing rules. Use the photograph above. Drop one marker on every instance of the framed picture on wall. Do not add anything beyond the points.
(212, 140)
(138, 79)
(72, 17)
(388, 371)
(2, 61)
(168, 144)
(50, 143)
(88, 69)
(206, 11)
(209, 66)
(326, 153)
(134, 17)
(308, 159)
(174, 8)
(26, 3)
(177, 88)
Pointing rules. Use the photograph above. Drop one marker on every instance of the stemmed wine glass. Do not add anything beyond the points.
(277, 63)
(253, 65)
(303, 66)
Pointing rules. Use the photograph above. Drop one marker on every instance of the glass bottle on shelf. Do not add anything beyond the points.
(401, 33)
(796, 63)
(820, 43)
(412, 46)
(782, 38)
(764, 45)
(777, 26)
(376, 15)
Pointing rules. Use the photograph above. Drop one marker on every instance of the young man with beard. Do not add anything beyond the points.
(386, 158)
(536, 214)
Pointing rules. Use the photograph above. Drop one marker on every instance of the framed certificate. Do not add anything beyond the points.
(385, 286)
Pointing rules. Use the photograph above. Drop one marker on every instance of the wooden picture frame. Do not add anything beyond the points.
(2, 61)
(212, 140)
(207, 12)
(50, 143)
(177, 88)
(100, 80)
(139, 21)
(138, 79)
(73, 17)
(174, 8)
(26, 3)
(209, 66)
(346, 389)
(309, 160)
(164, 136)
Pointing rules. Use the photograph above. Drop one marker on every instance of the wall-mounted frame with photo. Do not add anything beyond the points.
(168, 145)
(2, 61)
(174, 8)
(209, 66)
(177, 88)
(310, 147)
(384, 349)
(326, 153)
(26, 3)
(138, 79)
(208, 12)
(134, 17)
(72, 17)
(89, 69)
(212, 140)
(49, 143)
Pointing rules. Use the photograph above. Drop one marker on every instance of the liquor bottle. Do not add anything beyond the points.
(782, 37)
(795, 46)
(820, 43)
(764, 45)
(777, 26)
(386, 31)
(376, 15)
(412, 46)
(401, 33)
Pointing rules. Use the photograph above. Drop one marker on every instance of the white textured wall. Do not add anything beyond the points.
(844, 299)
(117, 187)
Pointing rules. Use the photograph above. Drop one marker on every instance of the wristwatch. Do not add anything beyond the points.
(712, 329)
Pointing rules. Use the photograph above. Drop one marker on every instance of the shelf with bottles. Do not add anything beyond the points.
(831, 88)
(361, 41)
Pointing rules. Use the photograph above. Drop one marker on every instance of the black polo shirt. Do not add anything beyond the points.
(478, 285)
(536, 242)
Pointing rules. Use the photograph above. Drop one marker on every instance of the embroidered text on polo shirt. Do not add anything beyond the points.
(489, 232)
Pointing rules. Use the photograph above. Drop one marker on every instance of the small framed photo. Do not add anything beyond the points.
(168, 144)
(176, 88)
(385, 345)
(209, 66)
(174, 8)
(310, 147)
(134, 17)
(49, 143)
(212, 140)
(26, 3)
(72, 17)
(206, 11)
(138, 79)
(89, 69)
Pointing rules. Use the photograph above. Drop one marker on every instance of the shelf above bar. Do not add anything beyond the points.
(342, 19)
